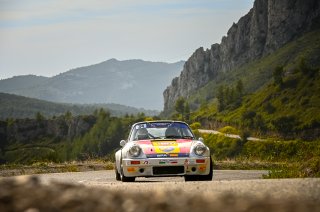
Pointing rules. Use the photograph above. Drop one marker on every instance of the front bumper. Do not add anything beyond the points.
(158, 167)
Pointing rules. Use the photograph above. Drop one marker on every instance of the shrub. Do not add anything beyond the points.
(195, 126)
(223, 147)
(285, 124)
(229, 130)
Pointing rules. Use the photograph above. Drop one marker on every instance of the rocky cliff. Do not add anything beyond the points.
(268, 26)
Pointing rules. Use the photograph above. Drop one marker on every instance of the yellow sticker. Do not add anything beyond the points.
(166, 147)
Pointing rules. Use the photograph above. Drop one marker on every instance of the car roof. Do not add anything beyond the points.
(157, 121)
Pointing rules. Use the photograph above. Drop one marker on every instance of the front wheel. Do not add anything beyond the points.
(118, 177)
(201, 177)
(124, 178)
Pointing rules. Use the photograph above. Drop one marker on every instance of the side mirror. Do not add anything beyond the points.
(201, 139)
(122, 143)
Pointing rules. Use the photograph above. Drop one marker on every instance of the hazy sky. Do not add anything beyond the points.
(47, 37)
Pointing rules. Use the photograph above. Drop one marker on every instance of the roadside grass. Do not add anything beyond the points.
(283, 159)
(237, 164)
(7, 170)
(309, 168)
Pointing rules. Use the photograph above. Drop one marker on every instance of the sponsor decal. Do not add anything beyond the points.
(175, 148)
(173, 161)
(145, 162)
(168, 161)
(167, 155)
(166, 147)
(162, 162)
(161, 155)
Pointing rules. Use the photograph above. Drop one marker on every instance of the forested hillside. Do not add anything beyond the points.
(63, 138)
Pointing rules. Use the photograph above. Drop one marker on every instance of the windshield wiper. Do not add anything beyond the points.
(187, 136)
(173, 136)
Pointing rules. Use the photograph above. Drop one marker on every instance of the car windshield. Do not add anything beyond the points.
(160, 130)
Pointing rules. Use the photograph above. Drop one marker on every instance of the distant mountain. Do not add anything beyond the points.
(134, 83)
(13, 106)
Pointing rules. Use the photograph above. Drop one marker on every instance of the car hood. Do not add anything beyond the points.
(166, 148)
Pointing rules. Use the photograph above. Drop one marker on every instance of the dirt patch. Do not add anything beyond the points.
(29, 194)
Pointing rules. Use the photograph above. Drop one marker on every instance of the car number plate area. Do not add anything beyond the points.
(167, 170)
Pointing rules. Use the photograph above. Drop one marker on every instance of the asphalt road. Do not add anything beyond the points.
(228, 135)
(239, 182)
(107, 177)
(230, 190)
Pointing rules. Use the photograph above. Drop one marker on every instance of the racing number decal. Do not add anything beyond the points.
(145, 162)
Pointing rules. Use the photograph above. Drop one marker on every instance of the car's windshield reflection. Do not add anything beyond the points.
(160, 130)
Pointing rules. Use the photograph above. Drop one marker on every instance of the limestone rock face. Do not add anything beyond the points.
(268, 26)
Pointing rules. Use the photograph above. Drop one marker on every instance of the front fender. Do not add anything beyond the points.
(118, 160)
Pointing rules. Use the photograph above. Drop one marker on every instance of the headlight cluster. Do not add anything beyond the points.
(200, 149)
(135, 151)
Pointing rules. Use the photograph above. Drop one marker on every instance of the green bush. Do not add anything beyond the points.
(223, 147)
(195, 126)
(229, 130)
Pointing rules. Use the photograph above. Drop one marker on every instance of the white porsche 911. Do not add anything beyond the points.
(161, 149)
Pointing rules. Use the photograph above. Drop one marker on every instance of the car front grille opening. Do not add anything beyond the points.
(167, 170)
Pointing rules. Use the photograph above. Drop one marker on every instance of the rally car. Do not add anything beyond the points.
(161, 149)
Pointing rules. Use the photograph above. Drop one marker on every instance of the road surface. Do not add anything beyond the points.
(231, 190)
(228, 135)
(241, 182)
(108, 177)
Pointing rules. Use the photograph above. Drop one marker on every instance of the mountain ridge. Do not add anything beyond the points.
(111, 81)
(268, 26)
(18, 107)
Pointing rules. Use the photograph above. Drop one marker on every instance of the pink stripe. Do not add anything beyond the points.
(147, 147)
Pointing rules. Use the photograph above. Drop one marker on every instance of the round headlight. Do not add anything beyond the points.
(135, 151)
(200, 150)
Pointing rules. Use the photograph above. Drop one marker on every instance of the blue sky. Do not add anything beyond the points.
(47, 37)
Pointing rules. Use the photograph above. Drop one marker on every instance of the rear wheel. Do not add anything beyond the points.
(207, 177)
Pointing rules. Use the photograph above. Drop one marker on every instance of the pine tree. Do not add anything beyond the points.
(239, 87)
(278, 76)
(187, 112)
(179, 106)
(221, 98)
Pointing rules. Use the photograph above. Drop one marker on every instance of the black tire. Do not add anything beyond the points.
(124, 178)
(201, 177)
(118, 177)
(127, 179)
(191, 178)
